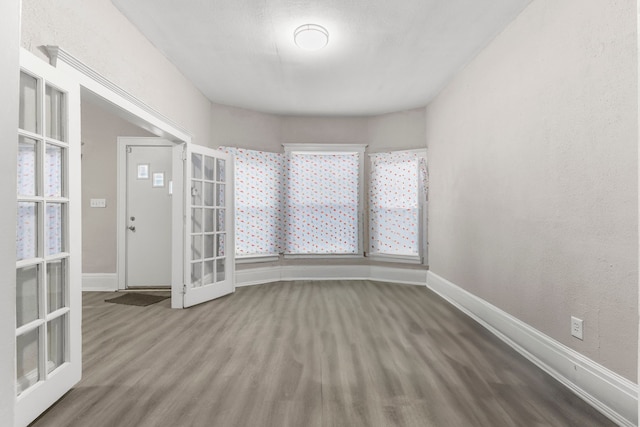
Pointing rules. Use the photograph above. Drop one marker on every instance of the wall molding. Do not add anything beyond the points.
(99, 282)
(262, 275)
(614, 396)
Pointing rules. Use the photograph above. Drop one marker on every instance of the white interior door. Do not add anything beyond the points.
(210, 245)
(148, 216)
(48, 239)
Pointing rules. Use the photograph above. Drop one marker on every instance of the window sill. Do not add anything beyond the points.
(323, 256)
(249, 259)
(407, 259)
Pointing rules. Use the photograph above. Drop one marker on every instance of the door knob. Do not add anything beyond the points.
(132, 227)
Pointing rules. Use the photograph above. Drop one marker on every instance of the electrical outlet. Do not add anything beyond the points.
(576, 327)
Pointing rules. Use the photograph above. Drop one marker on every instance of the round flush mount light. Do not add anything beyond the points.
(311, 37)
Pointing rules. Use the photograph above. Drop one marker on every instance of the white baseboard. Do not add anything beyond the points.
(614, 396)
(256, 276)
(105, 282)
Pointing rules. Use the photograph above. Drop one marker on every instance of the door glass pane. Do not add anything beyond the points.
(56, 282)
(196, 247)
(27, 348)
(27, 291)
(208, 220)
(196, 274)
(28, 116)
(55, 113)
(220, 273)
(209, 163)
(27, 230)
(196, 166)
(56, 342)
(196, 194)
(220, 195)
(53, 176)
(208, 194)
(208, 272)
(220, 170)
(220, 244)
(208, 246)
(220, 226)
(27, 166)
(55, 228)
(196, 220)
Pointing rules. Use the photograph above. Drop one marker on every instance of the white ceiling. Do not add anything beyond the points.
(382, 56)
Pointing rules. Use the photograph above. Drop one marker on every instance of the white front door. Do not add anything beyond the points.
(48, 239)
(210, 246)
(148, 213)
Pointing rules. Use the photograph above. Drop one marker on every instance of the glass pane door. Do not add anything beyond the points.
(209, 265)
(47, 289)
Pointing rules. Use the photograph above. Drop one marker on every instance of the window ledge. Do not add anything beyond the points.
(249, 259)
(407, 259)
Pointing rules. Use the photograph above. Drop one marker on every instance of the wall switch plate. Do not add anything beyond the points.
(98, 203)
(576, 327)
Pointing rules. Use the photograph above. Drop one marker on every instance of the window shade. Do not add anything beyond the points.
(397, 182)
(322, 203)
(259, 196)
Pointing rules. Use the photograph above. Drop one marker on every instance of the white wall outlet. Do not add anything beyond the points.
(576, 327)
(98, 203)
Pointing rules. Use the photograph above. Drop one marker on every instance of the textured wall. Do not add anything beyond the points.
(100, 132)
(238, 127)
(9, 72)
(534, 175)
(397, 131)
(100, 36)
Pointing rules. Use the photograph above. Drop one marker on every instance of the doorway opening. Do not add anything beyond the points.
(145, 192)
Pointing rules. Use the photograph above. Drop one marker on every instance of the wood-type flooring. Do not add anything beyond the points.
(306, 354)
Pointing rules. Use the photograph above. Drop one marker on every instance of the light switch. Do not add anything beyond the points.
(98, 203)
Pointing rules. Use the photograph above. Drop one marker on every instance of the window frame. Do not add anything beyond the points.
(328, 149)
(421, 258)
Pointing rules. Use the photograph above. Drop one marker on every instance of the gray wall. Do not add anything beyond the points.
(534, 175)
(100, 131)
(99, 35)
(9, 72)
(239, 127)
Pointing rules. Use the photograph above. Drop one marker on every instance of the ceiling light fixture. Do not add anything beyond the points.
(311, 37)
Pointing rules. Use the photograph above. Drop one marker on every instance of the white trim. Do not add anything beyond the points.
(405, 259)
(99, 282)
(248, 259)
(106, 89)
(614, 396)
(120, 102)
(262, 275)
(322, 256)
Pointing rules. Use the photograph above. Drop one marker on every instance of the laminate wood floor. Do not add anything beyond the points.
(306, 353)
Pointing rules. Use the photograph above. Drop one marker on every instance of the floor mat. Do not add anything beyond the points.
(133, 298)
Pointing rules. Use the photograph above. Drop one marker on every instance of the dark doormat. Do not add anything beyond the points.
(133, 298)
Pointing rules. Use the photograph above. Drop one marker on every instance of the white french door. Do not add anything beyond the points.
(210, 246)
(48, 255)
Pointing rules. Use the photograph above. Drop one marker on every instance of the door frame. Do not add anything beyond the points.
(121, 221)
(121, 103)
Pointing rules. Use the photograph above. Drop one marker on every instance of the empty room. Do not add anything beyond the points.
(319, 213)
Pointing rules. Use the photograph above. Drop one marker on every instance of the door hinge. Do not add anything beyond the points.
(184, 154)
(184, 289)
(129, 150)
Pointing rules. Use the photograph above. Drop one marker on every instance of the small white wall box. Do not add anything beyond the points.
(98, 203)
